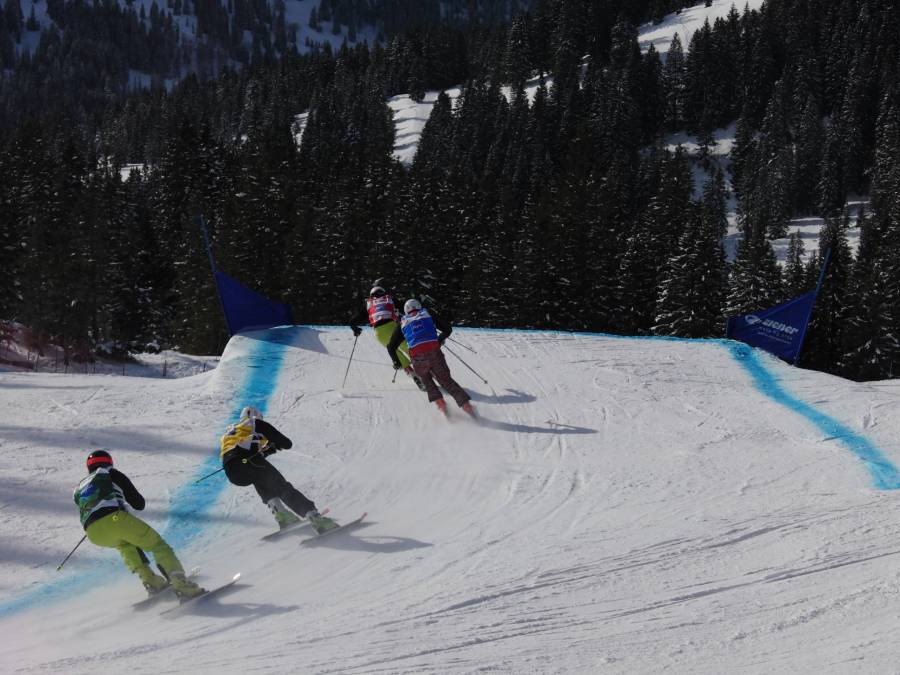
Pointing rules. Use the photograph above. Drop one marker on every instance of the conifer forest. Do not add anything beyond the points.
(564, 209)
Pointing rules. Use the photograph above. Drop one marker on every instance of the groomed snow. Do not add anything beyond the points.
(627, 506)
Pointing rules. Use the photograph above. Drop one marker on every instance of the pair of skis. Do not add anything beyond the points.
(169, 592)
(445, 412)
(305, 524)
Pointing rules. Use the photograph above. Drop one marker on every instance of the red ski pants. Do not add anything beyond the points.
(431, 366)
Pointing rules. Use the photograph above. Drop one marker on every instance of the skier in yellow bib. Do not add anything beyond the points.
(244, 449)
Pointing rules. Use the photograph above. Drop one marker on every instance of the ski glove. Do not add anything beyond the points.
(397, 365)
(356, 330)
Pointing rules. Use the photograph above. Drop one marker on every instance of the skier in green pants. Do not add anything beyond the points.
(101, 498)
(382, 315)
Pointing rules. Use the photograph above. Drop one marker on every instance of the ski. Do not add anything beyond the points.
(165, 593)
(339, 528)
(203, 596)
(290, 528)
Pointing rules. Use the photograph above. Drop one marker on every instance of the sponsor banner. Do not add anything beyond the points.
(778, 330)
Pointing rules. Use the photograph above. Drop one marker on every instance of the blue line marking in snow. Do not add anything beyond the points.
(190, 503)
(884, 474)
(195, 501)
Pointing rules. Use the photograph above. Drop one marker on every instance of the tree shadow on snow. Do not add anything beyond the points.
(116, 438)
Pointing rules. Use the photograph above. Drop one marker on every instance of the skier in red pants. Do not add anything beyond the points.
(419, 328)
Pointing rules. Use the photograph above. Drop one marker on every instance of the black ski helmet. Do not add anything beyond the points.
(98, 458)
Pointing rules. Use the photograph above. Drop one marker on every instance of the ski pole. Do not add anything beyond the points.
(60, 566)
(349, 361)
(261, 451)
(200, 480)
(462, 345)
(465, 364)
(394, 378)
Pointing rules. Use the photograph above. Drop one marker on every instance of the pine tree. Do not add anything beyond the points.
(692, 290)
(872, 347)
(674, 76)
(755, 279)
(826, 335)
(794, 271)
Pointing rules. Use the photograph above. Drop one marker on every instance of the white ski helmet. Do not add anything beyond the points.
(377, 292)
(412, 305)
(249, 412)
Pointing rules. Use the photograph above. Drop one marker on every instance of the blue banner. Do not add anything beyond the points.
(245, 309)
(778, 330)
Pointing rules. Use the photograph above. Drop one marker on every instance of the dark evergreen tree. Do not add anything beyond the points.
(826, 335)
(692, 290)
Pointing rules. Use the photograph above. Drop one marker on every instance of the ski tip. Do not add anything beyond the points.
(236, 577)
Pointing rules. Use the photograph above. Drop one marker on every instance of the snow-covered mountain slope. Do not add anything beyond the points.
(625, 506)
(688, 20)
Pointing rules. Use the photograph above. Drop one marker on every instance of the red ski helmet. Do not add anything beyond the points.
(98, 458)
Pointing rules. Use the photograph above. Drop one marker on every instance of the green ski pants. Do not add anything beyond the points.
(127, 533)
(384, 332)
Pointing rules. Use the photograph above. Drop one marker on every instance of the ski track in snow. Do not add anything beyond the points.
(624, 505)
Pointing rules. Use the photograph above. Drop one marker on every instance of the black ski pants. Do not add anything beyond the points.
(268, 481)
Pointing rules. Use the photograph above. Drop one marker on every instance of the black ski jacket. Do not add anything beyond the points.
(134, 498)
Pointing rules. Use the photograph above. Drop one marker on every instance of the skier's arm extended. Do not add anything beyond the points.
(275, 437)
(134, 498)
(395, 341)
(442, 326)
(359, 318)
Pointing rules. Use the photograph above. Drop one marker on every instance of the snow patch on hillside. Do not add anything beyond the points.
(686, 22)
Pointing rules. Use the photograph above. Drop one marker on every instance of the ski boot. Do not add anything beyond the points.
(319, 522)
(442, 405)
(184, 588)
(469, 410)
(152, 582)
(283, 516)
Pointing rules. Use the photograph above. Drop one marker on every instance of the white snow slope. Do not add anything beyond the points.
(625, 506)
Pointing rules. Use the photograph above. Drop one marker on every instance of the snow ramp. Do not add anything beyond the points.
(623, 505)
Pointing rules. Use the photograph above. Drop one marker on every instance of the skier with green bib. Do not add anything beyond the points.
(103, 497)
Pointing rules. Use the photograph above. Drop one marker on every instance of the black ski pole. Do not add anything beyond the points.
(394, 378)
(60, 566)
(462, 345)
(465, 364)
(261, 451)
(349, 361)
(200, 480)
